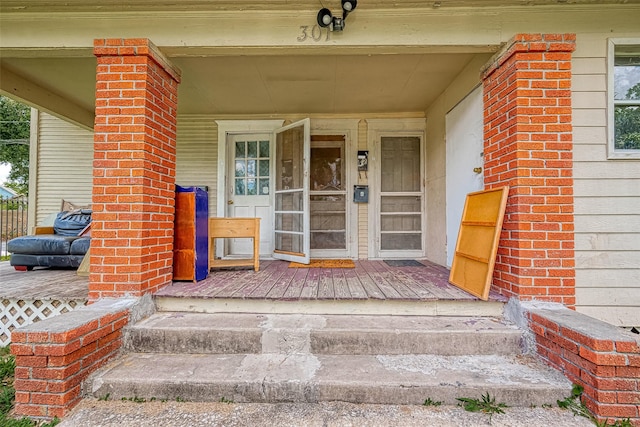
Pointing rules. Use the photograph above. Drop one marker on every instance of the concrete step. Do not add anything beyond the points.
(440, 307)
(383, 379)
(180, 332)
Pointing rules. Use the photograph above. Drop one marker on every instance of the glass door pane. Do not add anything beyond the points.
(291, 222)
(328, 193)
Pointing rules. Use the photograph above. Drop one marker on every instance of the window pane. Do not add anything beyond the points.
(252, 149)
(400, 241)
(627, 73)
(627, 127)
(239, 187)
(264, 168)
(252, 187)
(251, 168)
(326, 168)
(264, 186)
(264, 148)
(240, 168)
(400, 203)
(400, 164)
(240, 149)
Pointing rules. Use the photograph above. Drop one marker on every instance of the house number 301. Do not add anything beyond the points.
(314, 33)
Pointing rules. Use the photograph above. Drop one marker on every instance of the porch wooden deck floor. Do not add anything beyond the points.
(42, 283)
(369, 280)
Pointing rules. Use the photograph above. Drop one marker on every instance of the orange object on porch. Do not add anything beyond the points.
(478, 239)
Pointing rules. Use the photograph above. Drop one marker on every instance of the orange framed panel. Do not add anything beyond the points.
(478, 238)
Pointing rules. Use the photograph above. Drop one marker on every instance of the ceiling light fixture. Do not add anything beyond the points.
(326, 19)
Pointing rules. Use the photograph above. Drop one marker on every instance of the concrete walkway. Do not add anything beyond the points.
(330, 414)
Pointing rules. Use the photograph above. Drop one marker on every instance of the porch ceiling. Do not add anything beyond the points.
(270, 84)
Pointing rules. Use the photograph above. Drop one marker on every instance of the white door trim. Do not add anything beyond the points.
(231, 127)
(377, 128)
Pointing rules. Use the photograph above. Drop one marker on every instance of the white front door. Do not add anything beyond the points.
(249, 189)
(464, 161)
(291, 192)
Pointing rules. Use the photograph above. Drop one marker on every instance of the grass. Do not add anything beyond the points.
(429, 402)
(7, 395)
(486, 404)
(575, 405)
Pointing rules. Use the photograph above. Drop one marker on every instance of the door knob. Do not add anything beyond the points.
(229, 202)
(477, 170)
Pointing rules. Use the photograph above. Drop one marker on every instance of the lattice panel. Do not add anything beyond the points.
(19, 312)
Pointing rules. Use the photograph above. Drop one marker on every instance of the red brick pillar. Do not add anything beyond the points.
(133, 169)
(528, 146)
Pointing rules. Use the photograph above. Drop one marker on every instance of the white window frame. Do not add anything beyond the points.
(614, 153)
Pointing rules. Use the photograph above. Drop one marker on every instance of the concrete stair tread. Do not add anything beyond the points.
(322, 334)
(386, 379)
(186, 320)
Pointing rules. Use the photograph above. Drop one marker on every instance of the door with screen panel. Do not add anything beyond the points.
(249, 189)
(291, 192)
(400, 198)
(328, 197)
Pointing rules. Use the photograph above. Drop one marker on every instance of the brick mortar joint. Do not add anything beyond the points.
(543, 328)
(518, 44)
(153, 53)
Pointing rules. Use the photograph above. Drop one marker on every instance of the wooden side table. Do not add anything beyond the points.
(231, 228)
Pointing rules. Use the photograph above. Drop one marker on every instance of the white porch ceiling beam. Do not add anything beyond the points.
(36, 96)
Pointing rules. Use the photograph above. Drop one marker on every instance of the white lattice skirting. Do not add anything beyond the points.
(19, 312)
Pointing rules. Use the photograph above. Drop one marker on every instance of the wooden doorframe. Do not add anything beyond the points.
(376, 129)
(235, 127)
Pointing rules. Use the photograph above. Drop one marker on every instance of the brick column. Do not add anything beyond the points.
(133, 169)
(528, 146)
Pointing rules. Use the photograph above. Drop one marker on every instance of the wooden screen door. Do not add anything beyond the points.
(291, 192)
(401, 198)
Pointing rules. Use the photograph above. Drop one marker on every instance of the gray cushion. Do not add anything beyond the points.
(72, 223)
(80, 246)
(41, 244)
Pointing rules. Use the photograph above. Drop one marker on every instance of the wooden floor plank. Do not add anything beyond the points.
(281, 278)
(42, 283)
(355, 287)
(310, 287)
(294, 290)
(274, 270)
(370, 287)
(223, 279)
(325, 284)
(252, 281)
(399, 275)
(387, 289)
(340, 285)
(437, 284)
(392, 279)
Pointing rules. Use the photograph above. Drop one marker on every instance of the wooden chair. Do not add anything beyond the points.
(231, 228)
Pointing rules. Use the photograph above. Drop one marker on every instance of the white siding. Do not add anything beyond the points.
(607, 197)
(197, 154)
(65, 161)
(65, 165)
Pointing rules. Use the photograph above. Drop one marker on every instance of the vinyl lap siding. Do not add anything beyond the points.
(65, 161)
(197, 154)
(607, 198)
(65, 166)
